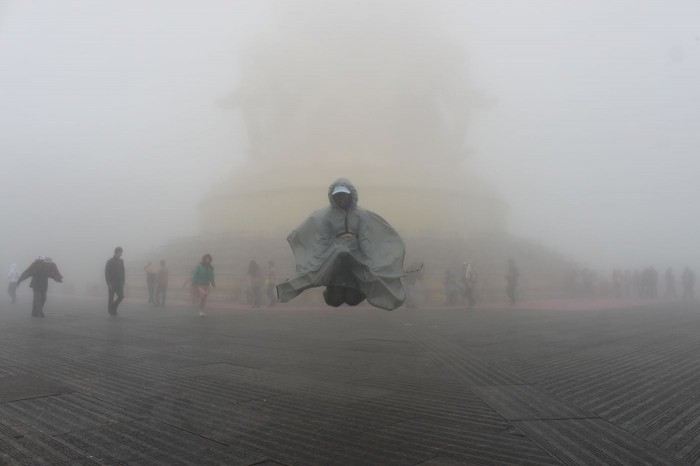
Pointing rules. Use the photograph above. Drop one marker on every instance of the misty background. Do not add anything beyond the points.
(112, 132)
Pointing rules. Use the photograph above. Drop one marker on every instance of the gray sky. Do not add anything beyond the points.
(110, 133)
(593, 139)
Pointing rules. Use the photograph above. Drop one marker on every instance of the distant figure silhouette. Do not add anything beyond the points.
(41, 270)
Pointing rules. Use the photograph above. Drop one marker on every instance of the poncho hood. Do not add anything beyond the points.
(348, 184)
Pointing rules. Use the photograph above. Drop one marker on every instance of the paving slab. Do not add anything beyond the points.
(22, 387)
(594, 441)
(316, 386)
(523, 402)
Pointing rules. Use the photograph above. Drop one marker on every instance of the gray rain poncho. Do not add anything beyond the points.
(369, 260)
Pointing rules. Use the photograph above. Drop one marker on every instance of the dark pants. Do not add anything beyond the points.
(38, 302)
(12, 291)
(161, 291)
(112, 304)
(337, 295)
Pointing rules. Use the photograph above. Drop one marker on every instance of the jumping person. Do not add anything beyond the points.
(351, 251)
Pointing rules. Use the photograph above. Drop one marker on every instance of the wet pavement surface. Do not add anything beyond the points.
(283, 385)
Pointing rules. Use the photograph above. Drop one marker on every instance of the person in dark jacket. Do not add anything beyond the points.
(41, 270)
(115, 277)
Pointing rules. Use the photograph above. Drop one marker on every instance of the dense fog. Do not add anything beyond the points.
(114, 122)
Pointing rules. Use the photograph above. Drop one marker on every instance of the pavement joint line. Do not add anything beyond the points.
(37, 397)
(264, 398)
(190, 432)
(269, 459)
(547, 419)
(218, 364)
(380, 339)
(141, 416)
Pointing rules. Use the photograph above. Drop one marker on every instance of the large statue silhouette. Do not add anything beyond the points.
(372, 88)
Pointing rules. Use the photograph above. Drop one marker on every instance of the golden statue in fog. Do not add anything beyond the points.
(383, 103)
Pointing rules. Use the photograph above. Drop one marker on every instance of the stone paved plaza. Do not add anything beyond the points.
(288, 385)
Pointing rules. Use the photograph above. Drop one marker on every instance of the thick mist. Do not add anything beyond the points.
(112, 127)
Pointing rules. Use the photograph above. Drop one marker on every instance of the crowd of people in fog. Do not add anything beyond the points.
(644, 283)
(460, 288)
(200, 282)
(355, 255)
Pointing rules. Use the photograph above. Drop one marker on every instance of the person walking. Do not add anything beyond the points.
(115, 276)
(202, 279)
(161, 285)
(40, 270)
(12, 279)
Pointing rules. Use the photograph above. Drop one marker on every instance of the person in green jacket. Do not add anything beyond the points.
(202, 279)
